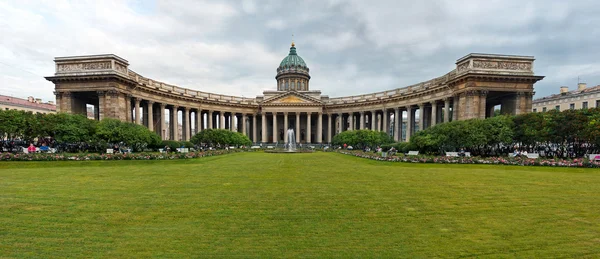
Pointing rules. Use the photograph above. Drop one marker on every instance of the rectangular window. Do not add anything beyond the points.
(572, 106)
(584, 105)
(597, 103)
(534, 110)
(557, 107)
(544, 109)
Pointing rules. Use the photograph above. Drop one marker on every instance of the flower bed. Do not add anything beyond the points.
(584, 163)
(129, 156)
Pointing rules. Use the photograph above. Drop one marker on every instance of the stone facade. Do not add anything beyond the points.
(471, 90)
(582, 98)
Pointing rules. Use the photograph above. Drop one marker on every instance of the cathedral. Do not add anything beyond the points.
(477, 85)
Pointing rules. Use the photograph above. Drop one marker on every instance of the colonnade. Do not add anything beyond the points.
(270, 127)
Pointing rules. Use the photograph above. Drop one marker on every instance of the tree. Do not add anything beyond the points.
(132, 135)
(213, 137)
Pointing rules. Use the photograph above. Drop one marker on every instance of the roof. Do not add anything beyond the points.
(9, 100)
(570, 93)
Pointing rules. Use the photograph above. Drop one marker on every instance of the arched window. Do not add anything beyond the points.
(287, 85)
(303, 88)
(293, 85)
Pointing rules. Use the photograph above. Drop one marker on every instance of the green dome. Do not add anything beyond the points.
(292, 61)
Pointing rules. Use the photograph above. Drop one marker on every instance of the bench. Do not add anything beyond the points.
(270, 147)
(255, 147)
(533, 155)
(183, 150)
(594, 157)
(413, 153)
(109, 151)
(456, 154)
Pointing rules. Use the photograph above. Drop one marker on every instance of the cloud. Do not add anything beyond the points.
(352, 47)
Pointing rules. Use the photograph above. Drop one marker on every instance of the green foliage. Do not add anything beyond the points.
(132, 135)
(221, 137)
(362, 138)
(566, 129)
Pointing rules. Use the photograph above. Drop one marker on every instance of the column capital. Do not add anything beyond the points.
(433, 102)
(362, 112)
(112, 92)
(285, 113)
(150, 102)
(484, 92)
(100, 93)
(57, 93)
(396, 109)
(421, 105)
(471, 93)
(408, 107)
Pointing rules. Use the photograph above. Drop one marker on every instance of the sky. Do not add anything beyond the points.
(351, 47)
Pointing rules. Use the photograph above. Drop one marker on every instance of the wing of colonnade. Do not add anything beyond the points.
(479, 84)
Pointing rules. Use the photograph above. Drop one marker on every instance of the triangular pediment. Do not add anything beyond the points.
(292, 98)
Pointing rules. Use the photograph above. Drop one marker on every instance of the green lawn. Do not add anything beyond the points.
(300, 205)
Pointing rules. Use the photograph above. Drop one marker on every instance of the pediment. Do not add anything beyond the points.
(292, 98)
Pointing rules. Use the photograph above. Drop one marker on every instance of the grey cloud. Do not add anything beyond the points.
(352, 47)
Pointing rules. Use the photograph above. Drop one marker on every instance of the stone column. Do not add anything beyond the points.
(446, 110)
(308, 126)
(455, 101)
(209, 116)
(521, 103)
(186, 124)
(254, 121)
(297, 127)
(373, 120)
(529, 106)
(163, 121)
(421, 116)
(433, 113)
(101, 104)
(198, 121)
(320, 128)
(285, 127)
(384, 121)
(329, 123)
(150, 115)
(264, 127)
(410, 123)
(244, 119)
(275, 137)
(341, 122)
(221, 120)
(362, 120)
(174, 123)
(482, 104)
(397, 124)
(137, 111)
(128, 109)
(350, 121)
